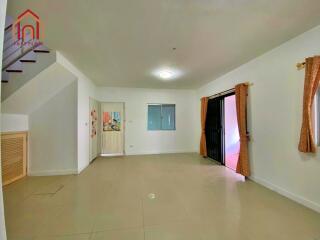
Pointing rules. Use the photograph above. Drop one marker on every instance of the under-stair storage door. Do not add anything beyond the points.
(13, 156)
(112, 129)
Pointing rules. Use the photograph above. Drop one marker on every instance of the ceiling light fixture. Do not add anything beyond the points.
(167, 73)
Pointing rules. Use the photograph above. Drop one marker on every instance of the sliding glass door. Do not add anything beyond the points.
(214, 130)
(222, 133)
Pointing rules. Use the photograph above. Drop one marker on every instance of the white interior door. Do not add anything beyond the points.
(112, 129)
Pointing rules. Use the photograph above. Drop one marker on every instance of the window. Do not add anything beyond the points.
(161, 117)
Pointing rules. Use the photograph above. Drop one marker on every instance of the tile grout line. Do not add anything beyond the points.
(91, 235)
(143, 223)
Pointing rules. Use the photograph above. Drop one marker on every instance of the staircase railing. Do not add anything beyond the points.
(13, 50)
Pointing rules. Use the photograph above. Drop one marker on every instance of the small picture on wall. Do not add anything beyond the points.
(94, 120)
(111, 121)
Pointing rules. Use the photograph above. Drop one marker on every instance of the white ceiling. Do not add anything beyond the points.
(121, 42)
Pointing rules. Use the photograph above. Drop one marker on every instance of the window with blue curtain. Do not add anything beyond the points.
(161, 117)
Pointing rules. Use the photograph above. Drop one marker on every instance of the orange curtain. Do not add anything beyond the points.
(311, 83)
(243, 167)
(203, 144)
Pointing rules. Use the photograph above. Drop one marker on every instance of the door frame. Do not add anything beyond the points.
(217, 104)
(222, 96)
(124, 131)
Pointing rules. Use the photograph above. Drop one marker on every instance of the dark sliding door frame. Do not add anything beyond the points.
(214, 129)
(216, 148)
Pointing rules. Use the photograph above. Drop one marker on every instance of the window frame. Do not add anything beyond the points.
(161, 116)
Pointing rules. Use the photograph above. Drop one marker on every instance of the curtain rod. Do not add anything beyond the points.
(222, 93)
(301, 66)
(227, 91)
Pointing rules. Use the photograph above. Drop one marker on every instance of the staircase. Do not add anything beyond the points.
(31, 74)
(17, 53)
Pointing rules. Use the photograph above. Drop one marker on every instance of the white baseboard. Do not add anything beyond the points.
(303, 201)
(159, 152)
(111, 154)
(53, 172)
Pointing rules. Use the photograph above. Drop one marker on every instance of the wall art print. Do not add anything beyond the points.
(111, 121)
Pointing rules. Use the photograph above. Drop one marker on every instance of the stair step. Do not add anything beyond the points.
(13, 70)
(42, 49)
(7, 36)
(9, 21)
(4, 76)
(8, 27)
(27, 61)
(16, 67)
(31, 57)
(11, 49)
(8, 44)
(14, 53)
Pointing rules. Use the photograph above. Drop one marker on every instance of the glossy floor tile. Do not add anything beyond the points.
(153, 197)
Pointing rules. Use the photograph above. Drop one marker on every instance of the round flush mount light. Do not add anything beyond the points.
(151, 196)
(167, 73)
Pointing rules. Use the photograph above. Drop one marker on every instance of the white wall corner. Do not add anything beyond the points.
(85, 89)
(81, 168)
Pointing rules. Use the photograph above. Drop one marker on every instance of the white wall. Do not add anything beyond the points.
(140, 141)
(14, 122)
(3, 7)
(275, 113)
(86, 89)
(52, 135)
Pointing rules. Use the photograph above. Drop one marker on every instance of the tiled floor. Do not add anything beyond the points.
(155, 197)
